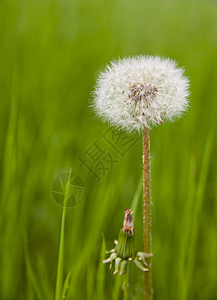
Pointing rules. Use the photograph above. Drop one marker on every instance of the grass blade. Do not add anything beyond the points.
(101, 272)
(59, 280)
(66, 285)
(135, 201)
(197, 211)
(30, 273)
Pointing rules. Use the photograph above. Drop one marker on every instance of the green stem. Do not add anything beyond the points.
(147, 213)
(125, 282)
(59, 279)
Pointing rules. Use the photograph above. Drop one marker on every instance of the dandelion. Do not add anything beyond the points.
(137, 94)
(141, 92)
(125, 251)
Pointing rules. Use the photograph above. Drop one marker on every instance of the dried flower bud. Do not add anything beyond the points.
(124, 251)
(126, 244)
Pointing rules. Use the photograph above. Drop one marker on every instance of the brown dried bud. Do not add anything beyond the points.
(128, 222)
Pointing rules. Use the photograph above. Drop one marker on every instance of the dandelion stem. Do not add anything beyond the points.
(147, 212)
(59, 279)
(125, 282)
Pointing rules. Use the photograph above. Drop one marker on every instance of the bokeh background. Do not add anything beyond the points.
(51, 53)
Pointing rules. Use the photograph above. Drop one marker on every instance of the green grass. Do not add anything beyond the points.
(50, 55)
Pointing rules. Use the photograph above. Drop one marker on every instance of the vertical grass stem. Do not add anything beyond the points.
(59, 279)
(125, 282)
(147, 213)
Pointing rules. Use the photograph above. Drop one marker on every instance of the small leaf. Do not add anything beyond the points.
(66, 285)
(140, 266)
(117, 262)
(123, 266)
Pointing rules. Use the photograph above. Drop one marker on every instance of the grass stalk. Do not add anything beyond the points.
(59, 279)
(147, 213)
(125, 282)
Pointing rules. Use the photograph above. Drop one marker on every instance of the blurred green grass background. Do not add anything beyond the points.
(50, 55)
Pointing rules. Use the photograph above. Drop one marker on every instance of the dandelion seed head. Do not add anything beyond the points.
(143, 91)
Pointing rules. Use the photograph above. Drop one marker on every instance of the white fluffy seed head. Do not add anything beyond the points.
(143, 91)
